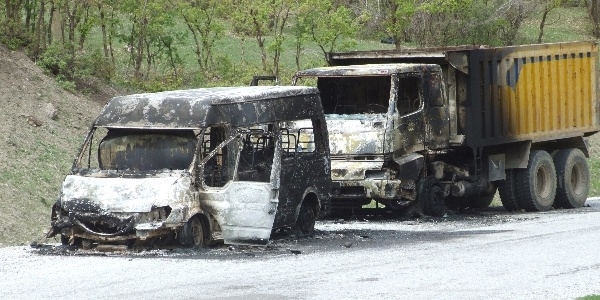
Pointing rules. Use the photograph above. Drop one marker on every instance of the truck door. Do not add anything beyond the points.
(410, 129)
(437, 120)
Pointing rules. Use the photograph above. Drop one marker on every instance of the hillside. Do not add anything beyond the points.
(41, 127)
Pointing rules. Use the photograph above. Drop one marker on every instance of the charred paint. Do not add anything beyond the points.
(369, 146)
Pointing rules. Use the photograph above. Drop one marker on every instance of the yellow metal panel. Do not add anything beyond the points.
(554, 88)
(550, 89)
(545, 94)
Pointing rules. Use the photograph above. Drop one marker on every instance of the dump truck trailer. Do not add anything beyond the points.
(450, 126)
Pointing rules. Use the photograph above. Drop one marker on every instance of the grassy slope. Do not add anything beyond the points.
(34, 159)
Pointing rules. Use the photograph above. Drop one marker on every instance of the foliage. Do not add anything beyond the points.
(589, 297)
(56, 60)
(203, 22)
(594, 164)
(13, 35)
(454, 22)
(175, 42)
(593, 7)
(328, 24)
(401, 14)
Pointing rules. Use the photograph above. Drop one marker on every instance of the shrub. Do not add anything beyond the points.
(57, 61)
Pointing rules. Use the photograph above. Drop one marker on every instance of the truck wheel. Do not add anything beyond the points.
(192, 233)
(508, 191)
(306, 220)
(482, 201)
(573, 178)
(536, 185)
(431, 197)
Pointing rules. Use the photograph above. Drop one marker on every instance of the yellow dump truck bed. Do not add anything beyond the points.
(531, 92)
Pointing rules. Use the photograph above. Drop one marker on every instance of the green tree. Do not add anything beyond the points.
(252, 19)
(203, 21)
(400, 16)
(265, 21)
(12, 32)
(149, 36)
(329, 24)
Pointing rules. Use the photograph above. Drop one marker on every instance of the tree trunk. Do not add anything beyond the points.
(298, 52)
(260, 40)
(110, 44)
(51, 25)
(141, 41)
(594, 17)
(103, 28)
(543, 23)
(13, 10)
(40, 31)
(198, 49)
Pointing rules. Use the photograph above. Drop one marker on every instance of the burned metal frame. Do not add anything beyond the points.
(386, 173)
(184, 193)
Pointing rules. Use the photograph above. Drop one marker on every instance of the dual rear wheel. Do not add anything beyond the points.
(562, 182)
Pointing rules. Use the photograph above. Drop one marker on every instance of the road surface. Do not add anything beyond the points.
(478, 255)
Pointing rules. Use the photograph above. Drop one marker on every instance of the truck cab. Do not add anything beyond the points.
(382, 119)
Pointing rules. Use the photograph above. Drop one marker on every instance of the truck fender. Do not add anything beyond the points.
(410, 166)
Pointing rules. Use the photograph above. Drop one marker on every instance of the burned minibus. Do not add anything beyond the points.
(196, 166)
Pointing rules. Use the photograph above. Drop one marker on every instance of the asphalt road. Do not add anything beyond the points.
(478, 255)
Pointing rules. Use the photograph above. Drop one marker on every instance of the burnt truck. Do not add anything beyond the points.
(196, 166)
(448, 127)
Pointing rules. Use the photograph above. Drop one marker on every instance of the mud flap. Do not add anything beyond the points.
(249, 217)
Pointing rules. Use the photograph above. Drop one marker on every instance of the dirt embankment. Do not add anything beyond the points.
(41, 128)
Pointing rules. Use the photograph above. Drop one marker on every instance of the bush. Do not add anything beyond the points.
(57, 61)
(14, 35)
(94, 64)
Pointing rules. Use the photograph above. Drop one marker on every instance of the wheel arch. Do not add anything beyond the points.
(578, 142)
(311, 197)
(207, 227)
(517, 153)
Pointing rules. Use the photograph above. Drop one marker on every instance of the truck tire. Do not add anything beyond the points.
(572, 178)
(481, 201)
(508, 191)
(536, 185)
(431, 197)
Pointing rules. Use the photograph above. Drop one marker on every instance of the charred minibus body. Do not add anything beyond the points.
(196, 166)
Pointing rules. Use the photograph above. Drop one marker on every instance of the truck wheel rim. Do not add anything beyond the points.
(542, 182)
(576, 179)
